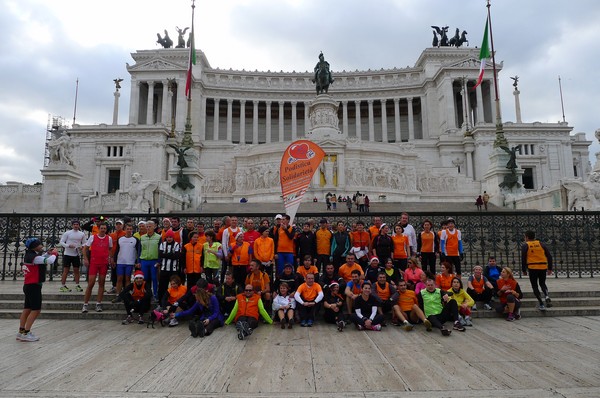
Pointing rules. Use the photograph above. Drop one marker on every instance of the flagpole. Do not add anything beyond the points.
(187, 134)
(562, 104)
(500, 139)
(75, 106)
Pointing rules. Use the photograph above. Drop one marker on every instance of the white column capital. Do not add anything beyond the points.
(409, 99)
(396, 101)
(255, 102)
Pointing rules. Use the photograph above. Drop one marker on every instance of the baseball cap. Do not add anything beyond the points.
(278, 216)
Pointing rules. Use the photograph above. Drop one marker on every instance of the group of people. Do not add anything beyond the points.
(237, 272)
(362, 202)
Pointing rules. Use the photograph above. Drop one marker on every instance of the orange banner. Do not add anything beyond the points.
(299, 163)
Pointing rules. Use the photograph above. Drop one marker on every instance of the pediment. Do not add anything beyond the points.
(331, 144)
(156, 64)
(465, 63)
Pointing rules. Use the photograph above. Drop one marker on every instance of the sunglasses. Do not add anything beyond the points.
(248, 290)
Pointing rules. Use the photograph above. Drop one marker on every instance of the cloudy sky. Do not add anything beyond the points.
(48, 45)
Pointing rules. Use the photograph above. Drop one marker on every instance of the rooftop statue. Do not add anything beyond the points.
(166, 41)
(322, 77)
(443, 42)
(458, 40)
(515, 81)
(117, 83)
(180, 39)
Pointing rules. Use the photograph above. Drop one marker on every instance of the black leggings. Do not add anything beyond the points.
(449, 313)
(428, 262)
(538, 276)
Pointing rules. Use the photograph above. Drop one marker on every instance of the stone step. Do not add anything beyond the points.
(63, 305)
(554, 311)
(67, 314)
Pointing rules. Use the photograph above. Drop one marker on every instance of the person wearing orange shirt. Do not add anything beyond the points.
(284, 244)
(307, 296)
(264, 250)
(427, 246)
(443, 280)
(451, 245)
(408, 310)
(248, 306)
(346, 269)
(192, 257)
(401, 247)
(230, 233)
(323, 237)
(353, 289)
(361, 243)
(201, 233)
(260, 281)
(386, 293)
(241, 253)
(306, 268)
(374, 229)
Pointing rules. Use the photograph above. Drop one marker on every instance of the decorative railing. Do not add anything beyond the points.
(572, 237)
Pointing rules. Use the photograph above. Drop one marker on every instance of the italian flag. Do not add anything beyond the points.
(484, 54)
(188, 81)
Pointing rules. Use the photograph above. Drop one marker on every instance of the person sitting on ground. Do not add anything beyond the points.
(307, 296)
(372, 272)
(333, 304)
(245, 312)
(34, 272)
(284, 305)
(443, 280)
(492, 272)
(438, 308)
(412, 274)
(206, 312)
(288, 276)
(353, 289)
(260, 281)
(393, 275)
(407, 309)
(137, 298)
(305, 268)
(463, 300)
(422, 284)
(479, 288)
(510, 295)
(386, 293)
(171, 300)
(226, 293)
(365, 313)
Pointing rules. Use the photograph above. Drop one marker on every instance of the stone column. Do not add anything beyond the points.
(216, 121)
(411, 122)
(517, 105)
(203, 119)
(229, 120)
(307, 126)
(470, 123)
(150, 104)
(345, 117)
(371, 122)
(479, 94)
(424, 118)
(469, 152)
(397, 120)
(116, 108)
(357, 115)
(134, 109)
(281, 125)
(294, 121)
(164, 116)
(450, 113)
(243, 122)
(384, 132)
(268, 132)
(255, 122)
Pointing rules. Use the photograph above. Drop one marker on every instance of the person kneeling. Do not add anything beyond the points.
(171, 300)
(334, 303)
(206, 312)
(248, 306)
(137, 298)
(366, 315)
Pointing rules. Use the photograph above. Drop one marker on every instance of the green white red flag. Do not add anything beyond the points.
(484, 53)
(192, 61)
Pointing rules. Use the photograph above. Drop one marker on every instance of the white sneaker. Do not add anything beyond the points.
(173, 322)
(376, 328)
(468, 321)
(29, 337)
(474, 307)
(487, 307)
(98, 307)
(85, 308)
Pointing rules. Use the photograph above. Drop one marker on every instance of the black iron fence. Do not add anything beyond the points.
(573, 237)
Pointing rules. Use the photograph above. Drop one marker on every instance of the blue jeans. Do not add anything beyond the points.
(282, 259)
(150, 271)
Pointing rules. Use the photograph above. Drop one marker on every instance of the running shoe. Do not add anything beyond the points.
(127, 320)
(141, 320)
(548, 302)
(458, 326)
(446, 332)
(510, 317)
(291, 323)
(474, 307)
(487, 307)
(407, 326)
(360, 327)
(64, 289)
(468, 321)
(112, 290)
(517, 317)
(84, 309)
(29, 337)
(541, 307)
(173, 322)
(427, 324)
(376, 328)
(303, 323)
(98, 307)
(78, 288)
(309, 323)
(282, 324)
(20, 336)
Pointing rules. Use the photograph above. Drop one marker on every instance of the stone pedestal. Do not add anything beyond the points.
(324, 122)
(60, 191)
(495, 176)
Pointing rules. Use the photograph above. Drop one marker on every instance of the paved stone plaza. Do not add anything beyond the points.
(533, 357)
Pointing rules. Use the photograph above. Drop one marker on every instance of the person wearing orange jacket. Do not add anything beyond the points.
(192, 257)
(240, 253)
(245, 312)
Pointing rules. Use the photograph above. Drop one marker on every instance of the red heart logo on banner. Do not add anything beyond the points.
(299, 151)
